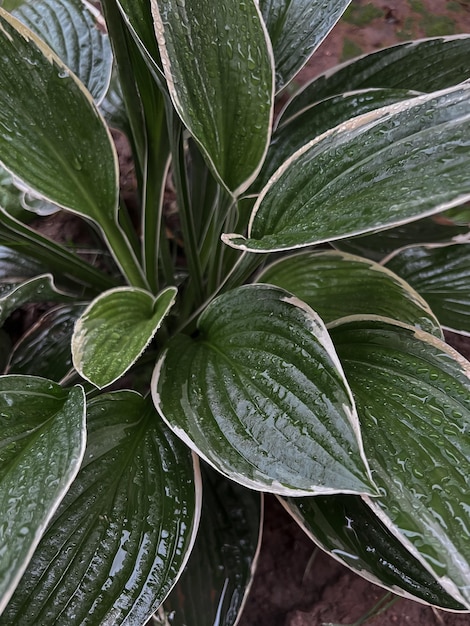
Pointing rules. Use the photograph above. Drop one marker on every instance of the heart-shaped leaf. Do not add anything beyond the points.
(261, 396)
(42, 443)
(441, 274)
(76, 33)
(214, 584)
(423, 65)
(219, 69)
(346, 528)
(381, 169)
(297, 29)
(413, 398)
(115, 329)
(338, 285)
(123, 532)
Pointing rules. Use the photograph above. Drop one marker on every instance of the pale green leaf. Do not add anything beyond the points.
(296, 29)
(381, 169)
(37, 289)
(44, 350)
(76, 32)
(336, 285)
(261, 396)
(214, 584)
(413, 399)
(441, 274)
(124, 530)
(219, 69)
(115, 329)
(21, 202)
(423, 65)
(350, 532)
(42, 443)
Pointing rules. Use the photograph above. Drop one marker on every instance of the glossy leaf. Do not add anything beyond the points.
(16, 268)
(20, 202)
(123, 532)
(115, 329)
(76, 33)
(42, 443)
(214, 584)
(337, 285)
(219, 69)
(436, 229)
(379, 170)
(350, 532)
(424, 65)
(413, 397)
(38, 289)
(44, 350)
(296, 30)
(441, 274)
(261, 396)
(317, 119)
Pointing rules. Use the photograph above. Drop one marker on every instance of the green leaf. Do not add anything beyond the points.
(441, 274)
(318, 118)
(261, 396)
(19, 201)
(350, 532)
(124, 530)
(16, 267)
(337, 285)
(296, 30)
(115, 329)
(424, 65)
(37, 289)
(219, 69)
(214, 584)
(42, 443)
(437, 229)
(381, 169)
(76, 33)
(49, 339)
(413, 399)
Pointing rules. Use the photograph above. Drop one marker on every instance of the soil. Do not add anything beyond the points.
(295, 583)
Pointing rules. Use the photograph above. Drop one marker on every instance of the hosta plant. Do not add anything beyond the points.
(264, 313)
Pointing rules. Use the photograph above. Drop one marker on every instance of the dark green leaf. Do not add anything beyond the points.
(261, 396)
(413, 399)
(42, 443)
(212, 589)
(115, 329)
(425, 65)
(441, 274)
(220, 76)
(337, 285)
(123, 532)
(346, 527)
(296, 29)
(379, 170)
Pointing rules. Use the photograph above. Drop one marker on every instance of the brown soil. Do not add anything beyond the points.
(295, 583)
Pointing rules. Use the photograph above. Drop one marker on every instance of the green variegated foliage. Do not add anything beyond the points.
(316, 372)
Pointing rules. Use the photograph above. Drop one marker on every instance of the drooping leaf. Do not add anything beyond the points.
(38, 289)
(381, 169)
(337, 285)
(42, 443)
(115, 329)
(20, 202)
(49, 338)
(219, 69)
(436, 229)
(346, 527)
(124, 530)
(214, 584)
(424, 65)
(413, 398)
(76, 33)
(261, 396)
(296, 29)
(441, 274)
